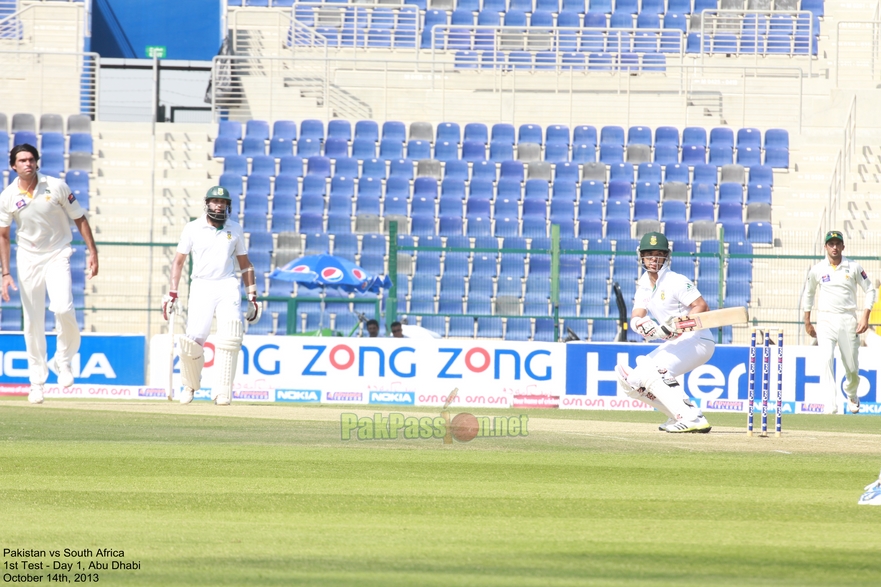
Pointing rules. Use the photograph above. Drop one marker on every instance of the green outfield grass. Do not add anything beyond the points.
(207, 500)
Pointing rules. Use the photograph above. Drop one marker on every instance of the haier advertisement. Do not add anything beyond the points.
(721, 384)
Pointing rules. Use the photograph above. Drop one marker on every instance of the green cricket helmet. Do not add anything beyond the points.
(653, 241)
(218, 193)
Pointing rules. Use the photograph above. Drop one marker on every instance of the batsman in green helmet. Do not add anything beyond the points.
(217, 245)
(661, 296)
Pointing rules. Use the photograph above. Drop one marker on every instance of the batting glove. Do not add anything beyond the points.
(253, 311)
(645, 327)
(667, 331)
(168, 301)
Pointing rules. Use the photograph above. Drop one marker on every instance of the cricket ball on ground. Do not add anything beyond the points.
(464, 427)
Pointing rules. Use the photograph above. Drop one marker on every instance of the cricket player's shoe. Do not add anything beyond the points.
(663, 427)
(699, 425)
(65, 375)
(35, 396)
(872, 495)
(186, 395)
(221, 400)
(853, 406)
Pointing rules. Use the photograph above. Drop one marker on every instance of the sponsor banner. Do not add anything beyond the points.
(362, 365)
(574, 402)
(396, 398)
(590, 376)
(310, 396)
(868, 409)
(345, 397)
(99, 392)
(103, 359)
(253, 395)
(14, 389)
(470, 399)
(724, 405)
(536, 401)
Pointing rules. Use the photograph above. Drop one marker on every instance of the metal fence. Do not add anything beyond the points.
(126, 296)
(383, 88)
(760, 33)
(857, 46)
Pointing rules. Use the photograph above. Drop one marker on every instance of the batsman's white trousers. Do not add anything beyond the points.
(210, 297)
(683, 354)
(841, 329)
(39, 274)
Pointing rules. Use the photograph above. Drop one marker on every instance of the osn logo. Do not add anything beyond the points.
(332, 274)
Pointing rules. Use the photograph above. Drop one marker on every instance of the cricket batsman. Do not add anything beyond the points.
(662, 296)
(215, 242)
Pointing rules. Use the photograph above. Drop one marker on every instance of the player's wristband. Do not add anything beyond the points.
(251, 289)
(5, 274)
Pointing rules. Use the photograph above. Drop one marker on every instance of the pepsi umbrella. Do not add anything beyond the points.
(323, 271)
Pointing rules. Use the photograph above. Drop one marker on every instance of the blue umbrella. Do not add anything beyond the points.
(323, 271)
(314, 271)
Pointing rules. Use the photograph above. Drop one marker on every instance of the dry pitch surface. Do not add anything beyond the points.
(721, 438)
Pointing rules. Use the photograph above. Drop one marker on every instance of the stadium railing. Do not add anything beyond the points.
(270, 88)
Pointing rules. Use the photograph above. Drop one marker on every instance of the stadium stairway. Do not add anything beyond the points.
(122, 210)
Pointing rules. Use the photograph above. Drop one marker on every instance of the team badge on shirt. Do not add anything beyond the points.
(71, 198)
(663, 296)
(21, 204)
(825, 279)
(228, 235)
(863, 274)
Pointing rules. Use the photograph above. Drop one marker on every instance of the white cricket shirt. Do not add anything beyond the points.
(838, 287)
(42, 220)
(670, 297)
(214, 249)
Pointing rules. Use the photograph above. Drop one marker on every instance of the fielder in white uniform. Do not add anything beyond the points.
(42, 208)
(661, 296)
(215, 242)
(837, 321)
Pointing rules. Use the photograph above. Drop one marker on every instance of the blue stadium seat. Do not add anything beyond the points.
(291, 165)
(284, 129)
(703, 193)
(705, 173)
(776, 157)
(224, 146)
(749, 156)
(694, 154)
(677, 172)
(312, 129)
(230, 128)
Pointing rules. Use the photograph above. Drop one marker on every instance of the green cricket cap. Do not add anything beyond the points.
(653, 241)
(218, 192)
(833, 234)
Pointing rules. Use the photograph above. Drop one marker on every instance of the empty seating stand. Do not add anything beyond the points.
(336, 200)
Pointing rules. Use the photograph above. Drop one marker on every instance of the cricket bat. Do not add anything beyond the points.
(711, 319)
(169, 387)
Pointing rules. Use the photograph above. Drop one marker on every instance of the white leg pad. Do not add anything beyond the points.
(226, 355)
(192, 358)
(666, 390)
(626, 380)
